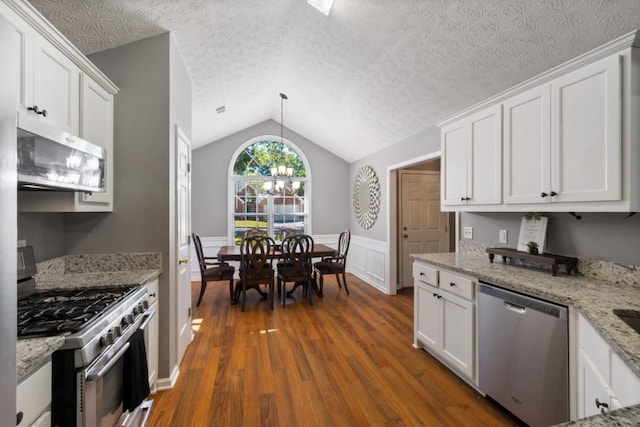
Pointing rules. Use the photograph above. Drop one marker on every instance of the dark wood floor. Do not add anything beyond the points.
(346, 361)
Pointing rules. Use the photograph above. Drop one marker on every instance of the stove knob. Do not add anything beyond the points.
(108, 339)
(130, 318)
(145, 304)
(117, 330)
(136, 310)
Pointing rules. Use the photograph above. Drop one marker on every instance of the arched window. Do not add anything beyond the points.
(258, 199)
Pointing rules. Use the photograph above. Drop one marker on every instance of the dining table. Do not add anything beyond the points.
(232, 253)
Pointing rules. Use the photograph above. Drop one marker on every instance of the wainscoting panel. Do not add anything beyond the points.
(367, 259)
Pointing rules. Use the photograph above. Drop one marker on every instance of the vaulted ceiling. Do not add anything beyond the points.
(369, 75)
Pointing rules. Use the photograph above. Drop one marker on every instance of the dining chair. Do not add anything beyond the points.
(211, 271)
(296, 265)
(334, 264)
(255, 232)
(256, 266)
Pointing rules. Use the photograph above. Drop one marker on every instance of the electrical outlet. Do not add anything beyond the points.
(467, 232)
(502, 236)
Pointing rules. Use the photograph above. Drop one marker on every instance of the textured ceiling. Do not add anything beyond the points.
(371, 74)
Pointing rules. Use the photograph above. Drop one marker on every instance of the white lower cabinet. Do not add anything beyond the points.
(33, 398)
(152, 336)
(444, 318)
(605, 382)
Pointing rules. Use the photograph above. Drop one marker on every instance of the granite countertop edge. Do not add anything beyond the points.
(31, 353)
(595, 299)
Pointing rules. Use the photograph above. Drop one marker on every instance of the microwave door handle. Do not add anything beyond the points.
(95, 377)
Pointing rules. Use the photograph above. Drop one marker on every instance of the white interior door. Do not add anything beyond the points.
(423, 227)
(183, 220)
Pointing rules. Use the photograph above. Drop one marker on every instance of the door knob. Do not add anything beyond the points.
(405, 235)
(182, 261)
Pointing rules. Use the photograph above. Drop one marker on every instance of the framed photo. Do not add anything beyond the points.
(534, 229)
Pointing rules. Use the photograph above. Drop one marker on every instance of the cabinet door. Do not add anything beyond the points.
(484, 157)
(23, 43)
(428, 315)
(625, 385)
(527, 139)
(458, 328)
(591, 386)
(586, 133)
(453, 165)
(152, 348)
(96, 126)
(55, 85)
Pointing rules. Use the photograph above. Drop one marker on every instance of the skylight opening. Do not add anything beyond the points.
(323, 6)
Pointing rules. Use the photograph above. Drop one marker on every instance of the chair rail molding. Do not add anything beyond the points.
(367, 259)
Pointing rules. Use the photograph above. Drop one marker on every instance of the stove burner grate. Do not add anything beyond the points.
(56, 312)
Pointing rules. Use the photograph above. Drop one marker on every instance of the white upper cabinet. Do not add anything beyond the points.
(63, 88)
(562, 139)
(570, 140)
(527, 142)
(56, 85)
(472, 159)
(96, 125)
(585, 134)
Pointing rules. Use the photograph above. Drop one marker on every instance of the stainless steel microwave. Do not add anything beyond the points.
(51, 159)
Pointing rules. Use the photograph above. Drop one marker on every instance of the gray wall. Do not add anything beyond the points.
(419, 145)
(43, 231)
(600, 236)
(143, 147)
(330, 182)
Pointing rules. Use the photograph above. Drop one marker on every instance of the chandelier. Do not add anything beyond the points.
(281, 174)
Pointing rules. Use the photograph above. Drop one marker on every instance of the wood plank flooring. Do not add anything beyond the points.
(346, 361)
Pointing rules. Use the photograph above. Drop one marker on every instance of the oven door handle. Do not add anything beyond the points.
(147, 319)
(103, 370)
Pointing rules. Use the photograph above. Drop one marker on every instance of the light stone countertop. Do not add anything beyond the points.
(78, 271)
(33, 352)
(595, 299)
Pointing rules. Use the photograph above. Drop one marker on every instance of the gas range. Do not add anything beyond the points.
(64, 311)
(91, 319)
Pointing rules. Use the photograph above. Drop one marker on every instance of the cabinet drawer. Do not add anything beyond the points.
(152, 291)
(458, 285)
(425, 274)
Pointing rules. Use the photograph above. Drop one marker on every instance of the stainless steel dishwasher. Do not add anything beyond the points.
(523, 355)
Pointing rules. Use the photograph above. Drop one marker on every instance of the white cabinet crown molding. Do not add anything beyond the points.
(631, 39)
(39, 23)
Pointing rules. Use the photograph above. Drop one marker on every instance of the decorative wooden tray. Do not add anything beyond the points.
(570, 263)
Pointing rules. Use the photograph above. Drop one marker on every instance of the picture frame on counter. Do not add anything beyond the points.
(533, 228)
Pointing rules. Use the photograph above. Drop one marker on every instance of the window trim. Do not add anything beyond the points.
(231, 178)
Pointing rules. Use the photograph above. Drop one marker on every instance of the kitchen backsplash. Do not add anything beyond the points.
(626, 274)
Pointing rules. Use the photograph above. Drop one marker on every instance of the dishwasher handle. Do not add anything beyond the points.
(520, 301)
(515, 307)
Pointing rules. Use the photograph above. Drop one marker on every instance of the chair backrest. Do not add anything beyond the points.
(296, 253)
(256, 232)
(343, 245)
(199, 253)
(256, 254)
(286, 232)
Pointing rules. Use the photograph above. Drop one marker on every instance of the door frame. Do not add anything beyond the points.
(393, 219)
